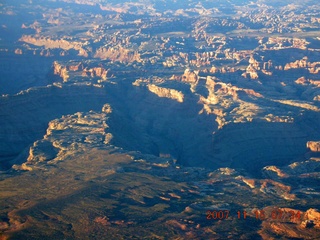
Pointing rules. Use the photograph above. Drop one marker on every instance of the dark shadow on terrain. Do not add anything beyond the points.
(252, 146)
(154, 125)
(18, 73)
(24, 117)
(142, 121)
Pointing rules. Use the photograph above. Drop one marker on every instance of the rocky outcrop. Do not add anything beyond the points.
(274, 172)
(225, 101)
(70, 71)
(301, 81)
(166, 92)
(96, 72)
(312, 219)
(18, 51)
(304, 81)
(227, 123)
(221, 88)
(293, 169)
(41, 151)
(79, 130)
(190, 76)
(297, 64)
(314, 146)
(251, 72)
(273, 187)
(117, 54)
(26, 115)
(284, 119)
(254, 63)
(299, 104)
(75, 67)
(313, 67)
(48, 43)
(316, 83)
(213, 69)
(114, 9)
(61, 71)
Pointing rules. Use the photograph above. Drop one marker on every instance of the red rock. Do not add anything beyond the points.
(314, 146)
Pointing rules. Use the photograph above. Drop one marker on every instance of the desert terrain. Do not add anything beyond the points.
(159, 119)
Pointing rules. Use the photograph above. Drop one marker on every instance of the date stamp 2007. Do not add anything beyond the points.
(276, 214)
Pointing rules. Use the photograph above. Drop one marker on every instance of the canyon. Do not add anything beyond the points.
(133, 119)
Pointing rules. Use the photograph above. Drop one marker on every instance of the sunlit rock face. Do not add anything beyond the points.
(25, 116)
(314, 146)
(69, 135)
(167, 93)
(190, 76)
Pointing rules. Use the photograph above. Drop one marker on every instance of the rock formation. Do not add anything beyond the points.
(312, 218)
(18, 51)
(251, 71)
(314, 146)
(79, 130)
(61, 71)
(207, 104)
(190, 76)
(117, 54)
(167, 93)
(48, 43)
(96, 72)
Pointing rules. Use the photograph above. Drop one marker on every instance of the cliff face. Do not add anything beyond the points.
(80, 130)
(303, 169)
(48, 43)
(71, 72)
(212, 104)
(297, 64)
(117, 54)
(167, 93)
(314, 146)
(312, 218)
(228, 102)
(41, 151)
(251, 72)
(36, 107)
(190, 76)
(235, 125)
(96, 72)
(304, 63)
(61, 71)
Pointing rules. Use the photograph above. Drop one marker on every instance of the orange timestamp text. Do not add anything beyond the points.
(276, 214)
